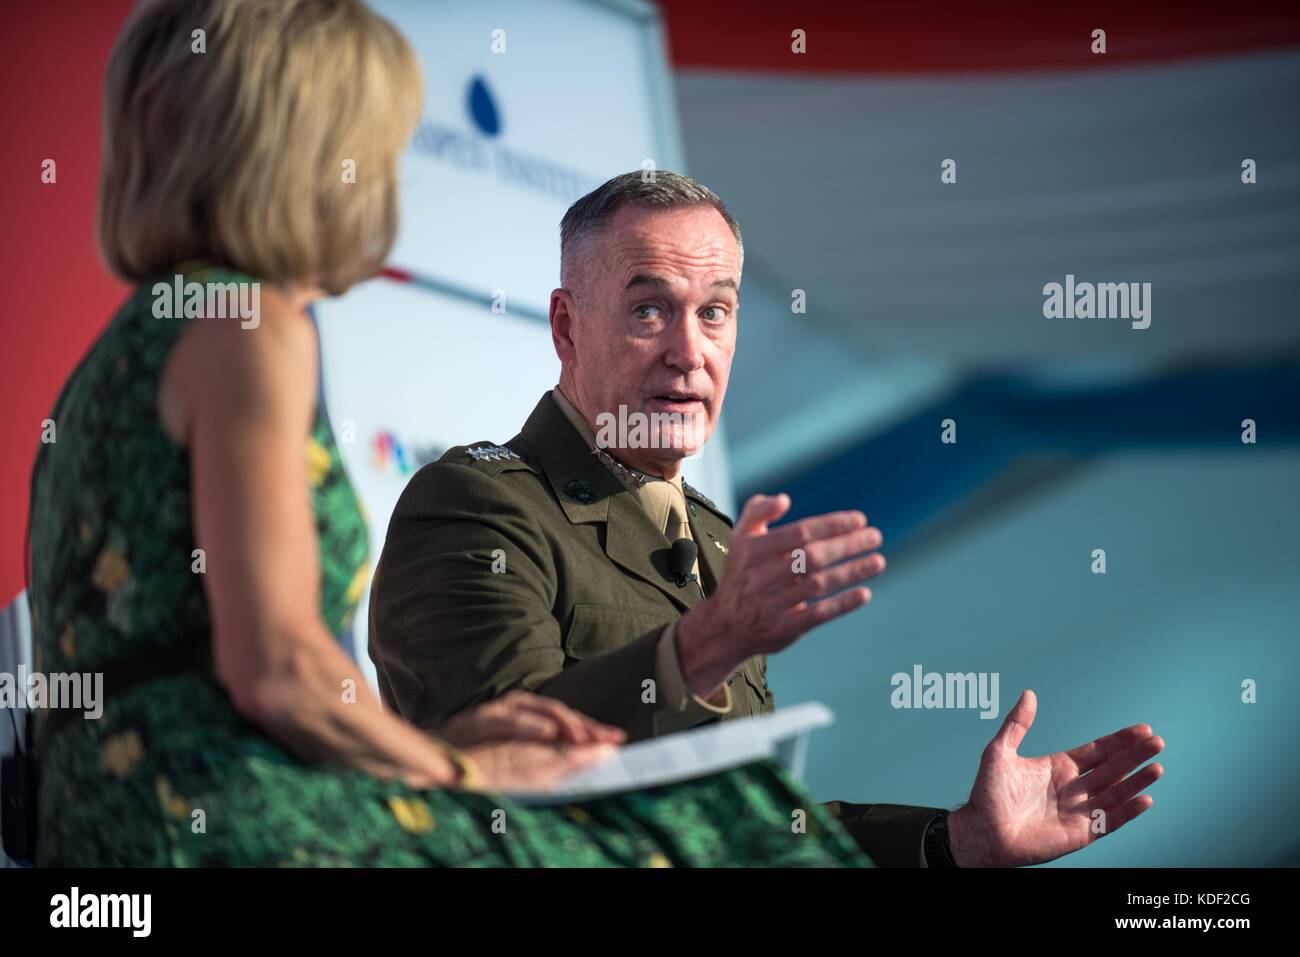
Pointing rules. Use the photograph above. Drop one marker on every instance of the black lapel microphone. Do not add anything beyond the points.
(682, 560)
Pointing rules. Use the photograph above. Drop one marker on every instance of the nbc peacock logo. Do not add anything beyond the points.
(388, 453)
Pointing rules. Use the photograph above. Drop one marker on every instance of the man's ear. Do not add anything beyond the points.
(563, 316)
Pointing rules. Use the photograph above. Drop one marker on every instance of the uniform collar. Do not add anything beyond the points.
(588, 492)
(635, 479)
(581, 484)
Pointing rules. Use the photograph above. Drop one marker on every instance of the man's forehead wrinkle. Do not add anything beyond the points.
(655, 247)
(628, 246)
(671, 268)
(646, 280)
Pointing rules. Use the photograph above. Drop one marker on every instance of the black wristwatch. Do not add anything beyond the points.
(938, 849)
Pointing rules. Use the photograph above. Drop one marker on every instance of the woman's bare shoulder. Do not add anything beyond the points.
(263, 364)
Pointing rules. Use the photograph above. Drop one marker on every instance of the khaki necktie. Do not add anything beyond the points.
(666, 505)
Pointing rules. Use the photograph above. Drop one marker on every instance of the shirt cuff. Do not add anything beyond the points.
(676, 695)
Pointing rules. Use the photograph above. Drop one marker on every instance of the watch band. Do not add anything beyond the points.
(938, 847)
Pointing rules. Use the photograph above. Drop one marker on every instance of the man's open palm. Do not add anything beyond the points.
(1030, 810)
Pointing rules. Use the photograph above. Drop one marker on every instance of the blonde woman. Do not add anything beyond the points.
(194, 536)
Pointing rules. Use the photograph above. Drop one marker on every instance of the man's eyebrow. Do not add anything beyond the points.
(644, 279)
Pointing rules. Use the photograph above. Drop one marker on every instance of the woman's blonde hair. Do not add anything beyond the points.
(273, 151)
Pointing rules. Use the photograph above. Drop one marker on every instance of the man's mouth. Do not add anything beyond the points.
(678, 399)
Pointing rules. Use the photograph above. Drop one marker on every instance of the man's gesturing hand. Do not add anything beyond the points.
(775, 586)
(1031, 810)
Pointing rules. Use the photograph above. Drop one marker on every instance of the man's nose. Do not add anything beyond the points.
(686, 345)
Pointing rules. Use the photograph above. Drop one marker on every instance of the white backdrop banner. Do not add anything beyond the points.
(527, 107)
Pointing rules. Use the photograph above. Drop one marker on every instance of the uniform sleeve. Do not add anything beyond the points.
(682, 708)
(892, 835)
(461, 611)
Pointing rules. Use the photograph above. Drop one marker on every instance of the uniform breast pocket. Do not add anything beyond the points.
(600, 629)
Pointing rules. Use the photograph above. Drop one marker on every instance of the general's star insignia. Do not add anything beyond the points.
(631, 475)
(491, 453)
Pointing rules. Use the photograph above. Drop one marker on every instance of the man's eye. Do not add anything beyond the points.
(713, 314)
(646, 312)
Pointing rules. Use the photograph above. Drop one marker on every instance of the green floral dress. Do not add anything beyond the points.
(172, 775)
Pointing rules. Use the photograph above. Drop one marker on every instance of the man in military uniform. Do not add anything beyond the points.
(574, 562)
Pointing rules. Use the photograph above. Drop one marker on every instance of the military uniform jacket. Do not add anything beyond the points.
(531, 566)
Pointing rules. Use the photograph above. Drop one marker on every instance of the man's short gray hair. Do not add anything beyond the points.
(660, 188)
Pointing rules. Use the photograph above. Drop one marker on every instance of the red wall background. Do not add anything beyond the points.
(57, 292)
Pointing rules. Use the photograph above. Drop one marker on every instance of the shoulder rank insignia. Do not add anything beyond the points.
(579, 490)
(691, 490)
(491, 453)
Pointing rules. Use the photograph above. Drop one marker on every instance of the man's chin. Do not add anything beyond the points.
(679, 442)
(663, 459)
(653, 438)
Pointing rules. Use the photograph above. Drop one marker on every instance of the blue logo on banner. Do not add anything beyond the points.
(483, 109)
(480, 149)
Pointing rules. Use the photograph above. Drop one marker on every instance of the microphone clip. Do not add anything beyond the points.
(681, 561)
